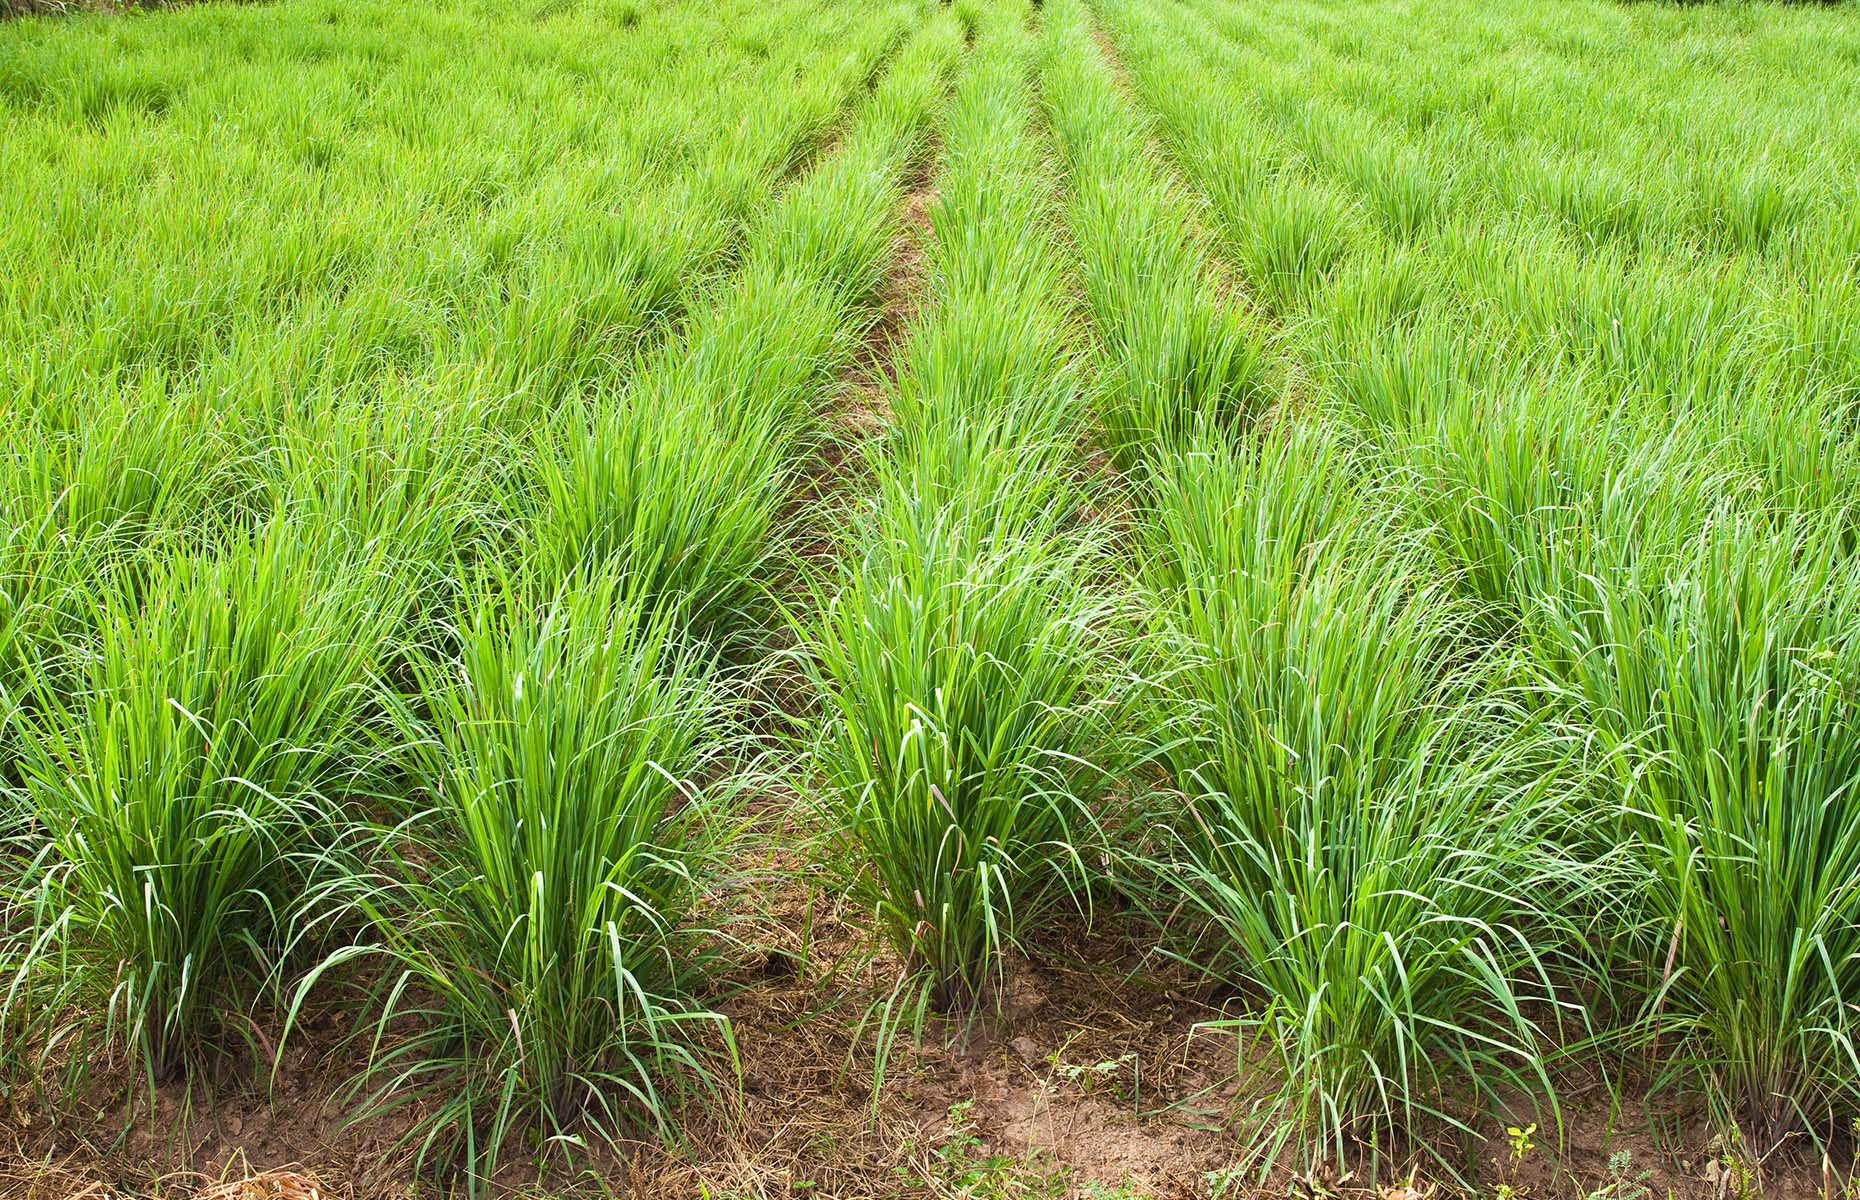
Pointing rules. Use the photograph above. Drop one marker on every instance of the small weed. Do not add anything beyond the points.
(963, 1164)
(1520, 1139)
(1622, 1185)
(1226, 1182)
(1088, 1077)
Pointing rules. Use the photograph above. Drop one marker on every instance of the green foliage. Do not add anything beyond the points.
(185, 779)
(1608, 424)
(1369, 837)
(965, 662)
(963, 653)
(537, 907)
(1183, 359)
(418, 419)
(1721, 697)
(260, 461)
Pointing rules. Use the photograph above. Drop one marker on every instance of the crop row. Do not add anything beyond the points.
(1608, 586)
(436, 715)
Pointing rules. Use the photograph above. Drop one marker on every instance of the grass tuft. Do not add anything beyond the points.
(213, 729)
(537, 909)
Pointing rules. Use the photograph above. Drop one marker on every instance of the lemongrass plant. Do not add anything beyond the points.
(1366, 851)
(187, 771)
(1715, 684)
(965, 653)
(1185, 356)
(537, 912)
(971, 723)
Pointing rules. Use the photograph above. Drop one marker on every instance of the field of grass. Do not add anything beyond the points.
(1105, 598)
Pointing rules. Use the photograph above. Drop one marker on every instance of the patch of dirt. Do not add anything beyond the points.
(1665, 1151)
(874, 369)
(806, 1123)
(1106, 1076)
(51, 1181)
(1076, 1075)
(1113, 60)
(219, 1140)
